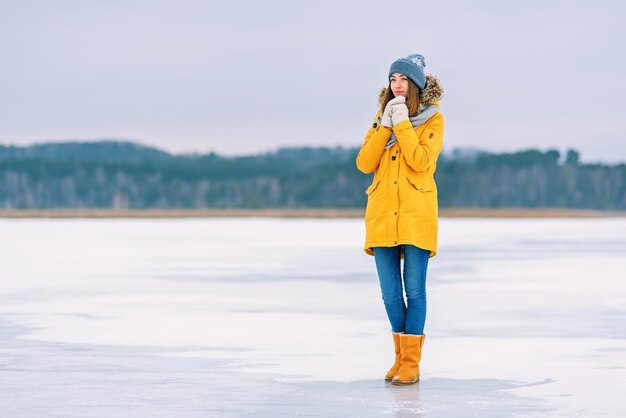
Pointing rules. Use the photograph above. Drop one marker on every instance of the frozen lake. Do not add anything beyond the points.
(283, 317)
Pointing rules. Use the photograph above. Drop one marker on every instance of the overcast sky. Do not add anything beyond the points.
(250, 76)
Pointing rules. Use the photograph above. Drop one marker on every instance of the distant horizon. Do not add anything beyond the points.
(445, 150)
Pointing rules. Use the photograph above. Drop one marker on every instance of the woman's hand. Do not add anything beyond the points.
(386, 118)
(399, 111)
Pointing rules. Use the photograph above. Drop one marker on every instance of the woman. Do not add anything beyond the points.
(401, 148)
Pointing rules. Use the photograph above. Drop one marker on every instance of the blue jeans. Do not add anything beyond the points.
(411, 317)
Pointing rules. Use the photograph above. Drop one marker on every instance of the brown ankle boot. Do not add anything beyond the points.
(410, 356)
(396, 344)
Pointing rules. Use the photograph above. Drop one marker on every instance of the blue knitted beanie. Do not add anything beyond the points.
(411, 66)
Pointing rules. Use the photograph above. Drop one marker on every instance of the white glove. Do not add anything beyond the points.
(399, 112)
(386, 119)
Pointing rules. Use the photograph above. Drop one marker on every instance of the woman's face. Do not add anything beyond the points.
(399, 84)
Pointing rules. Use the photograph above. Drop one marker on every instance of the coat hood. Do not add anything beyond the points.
(432, 93)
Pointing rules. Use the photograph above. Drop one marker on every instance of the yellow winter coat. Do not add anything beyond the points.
(402, 203)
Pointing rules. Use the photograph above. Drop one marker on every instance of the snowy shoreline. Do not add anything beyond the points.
(301, 213)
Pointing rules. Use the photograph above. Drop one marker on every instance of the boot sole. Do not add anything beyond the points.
(404, 382)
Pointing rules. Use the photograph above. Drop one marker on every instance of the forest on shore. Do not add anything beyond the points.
(128, 175)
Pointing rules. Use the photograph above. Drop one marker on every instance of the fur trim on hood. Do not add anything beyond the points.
(433, 92)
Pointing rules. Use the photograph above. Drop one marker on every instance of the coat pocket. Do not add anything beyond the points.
(421, 184)
(372, 187)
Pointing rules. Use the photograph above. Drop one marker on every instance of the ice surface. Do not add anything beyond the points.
(283, 317)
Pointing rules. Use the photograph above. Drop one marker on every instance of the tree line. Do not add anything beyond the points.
(127, 175)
